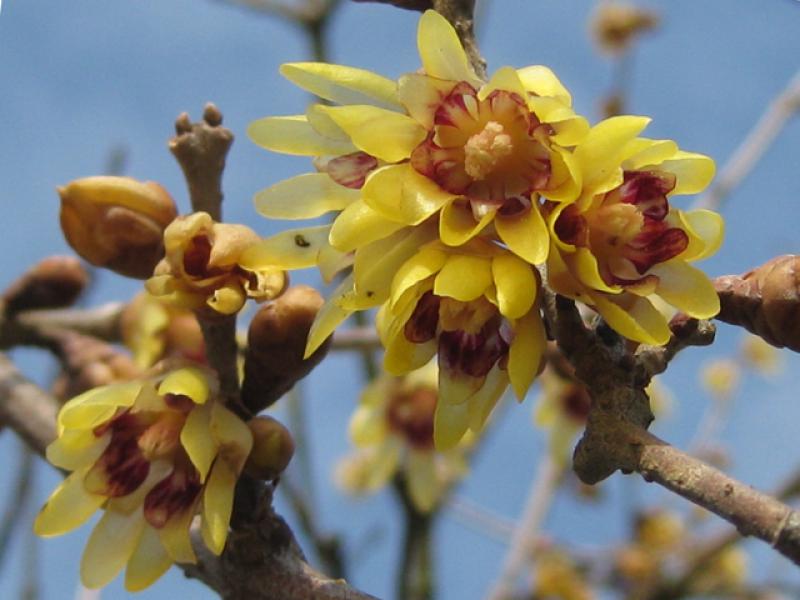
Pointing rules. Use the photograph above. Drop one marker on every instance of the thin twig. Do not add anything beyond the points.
(32, 328)
(523, 541)
(758, 140)
(18, 500)
(480, 519)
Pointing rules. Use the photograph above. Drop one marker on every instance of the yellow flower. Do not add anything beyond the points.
(621, 242)
(152, 454)
(201, 269)
(720, 378)
(437, 142)
(475, 306)
(393, 430)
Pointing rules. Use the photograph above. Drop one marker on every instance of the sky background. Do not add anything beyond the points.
(80, 78)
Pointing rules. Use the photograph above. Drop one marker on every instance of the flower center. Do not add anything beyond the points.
(410, 413)
(484, 150)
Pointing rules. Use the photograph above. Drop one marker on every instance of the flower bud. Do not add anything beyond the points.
(55, 282)
(273, 448)
(616, 25)
(117, 222)
(276, 344)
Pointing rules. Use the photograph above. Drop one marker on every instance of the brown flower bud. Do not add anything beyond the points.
(276, 343)
(765, 301)
(273, 448)
(117, 222)
(55, 282)
(616, 25)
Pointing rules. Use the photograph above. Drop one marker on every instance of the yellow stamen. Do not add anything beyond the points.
(483, 151)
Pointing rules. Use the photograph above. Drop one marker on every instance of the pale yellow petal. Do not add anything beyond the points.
(197, 441)
(97, 405)
(425, 263)
(525, 235)
(400, 193)
(175, 538)
(110, 545)
(601, 153)
(586, 268)
(526, 352)
(385, 134)
(358, 225)
(516, 285)
(686, 288)
(706, 230)
(232, 435)
(189, 381)
(304, 197)
(637, 319)
(295, 135)
(424, 486)
(570, 131)
(456, 387)
(217, 505)
(368, 426)
(506, 79)
(421, 95)
(75, 449)
(693, 172)
(643, 152)
(227, 299)
(483, 401)
(291, 249)
(440, 49)
(385, 459)
(68, 507)
(543, 82)
(148, 562)
(463, 277)
(343, 85)
(450, 423)
(330, 316)
(457, 225)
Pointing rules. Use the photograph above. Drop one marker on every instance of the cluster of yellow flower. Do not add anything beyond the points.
(451, 192)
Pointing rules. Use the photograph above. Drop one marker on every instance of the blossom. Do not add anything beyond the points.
(152, 454)
(476, 308)
(201, 268)
(393, 431)
(438, 142)
(621, 244)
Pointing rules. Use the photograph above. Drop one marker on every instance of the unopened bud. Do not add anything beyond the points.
(616, 25)
(117, 222)
(273, 448)
(55, 282)
(276, 343)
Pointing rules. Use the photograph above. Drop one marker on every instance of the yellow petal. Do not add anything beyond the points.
(196, 440)
(385, 459)
(456, 387)
(228, 298)
(148, 562)
(440, 49)
(232, 434)
(377, 263)
(525, 235)
(295, 135)
(693, 171)
(402, 356)
(457, 225)
(516, 285)
(643, 152)
(97, 405)
(426, 262)
(385, 134)
(636, 319)
(601, 153)
(329, 317)
(343, 85)
(483, 401)
(505, 79)
(303, 197)
(551, 110)
(189, 381)
(111, 544)
(217, 505)
(358, 225)
(570, 131)
(543, 82)
(424, 486)
(686, 288)
(332, 261)
(68, 507)
(76, 449)
(450, 423)
(706, 229)
(400, 193)
(291, 249)
(526, 352)
(584, 266)
(367, 426)
(175, 538)
(421, 95)
(463, 277)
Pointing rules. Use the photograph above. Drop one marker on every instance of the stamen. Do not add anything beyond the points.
(483, 151)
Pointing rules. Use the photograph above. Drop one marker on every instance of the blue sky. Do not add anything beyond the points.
(81, 78)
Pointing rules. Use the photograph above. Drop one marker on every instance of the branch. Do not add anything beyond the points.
(460, 13)
(764, 132)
